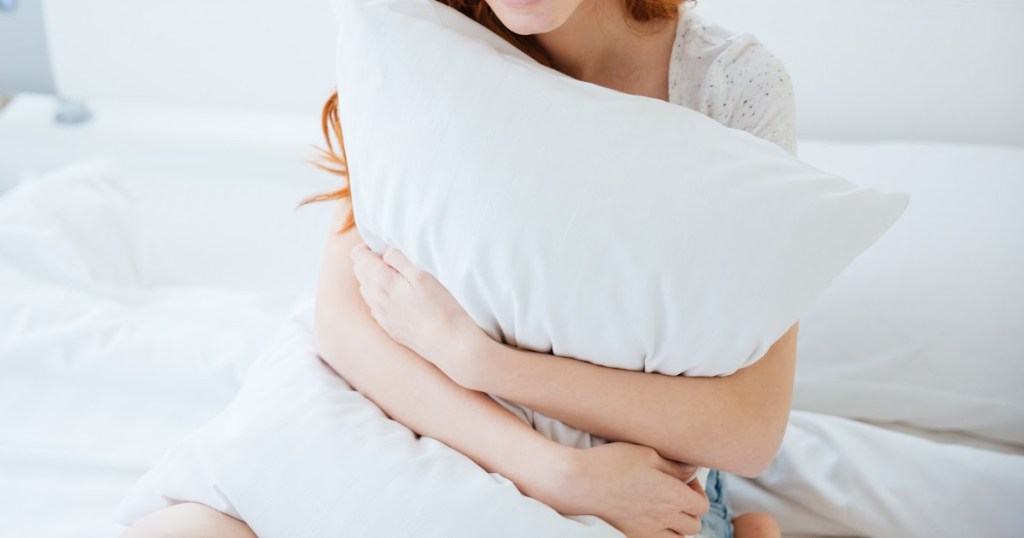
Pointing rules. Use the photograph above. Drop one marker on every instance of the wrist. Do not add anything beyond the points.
(480, 355)
(547, 474)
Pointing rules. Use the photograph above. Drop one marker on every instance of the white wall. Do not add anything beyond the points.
(863, 69)
(919, 69)
(260, 54)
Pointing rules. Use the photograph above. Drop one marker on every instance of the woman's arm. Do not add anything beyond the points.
(411, 390)
(734, 423)
(630, 486)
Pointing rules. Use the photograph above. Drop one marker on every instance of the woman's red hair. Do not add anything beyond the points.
(332, 157)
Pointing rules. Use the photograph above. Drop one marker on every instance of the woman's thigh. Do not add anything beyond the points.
(188, 520)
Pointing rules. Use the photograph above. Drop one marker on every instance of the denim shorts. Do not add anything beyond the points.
(717, 523)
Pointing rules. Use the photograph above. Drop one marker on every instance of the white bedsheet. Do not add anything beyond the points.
(119, 331)
(136, 286)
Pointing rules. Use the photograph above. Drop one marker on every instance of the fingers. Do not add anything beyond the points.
(685, 525)
(695, 484)
(373, 274)
(684, 505)
(695, 500)
(682, 471)
(394, 257)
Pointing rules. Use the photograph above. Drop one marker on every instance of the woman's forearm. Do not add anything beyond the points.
(734, 423)
(418, 395)
(415, 393)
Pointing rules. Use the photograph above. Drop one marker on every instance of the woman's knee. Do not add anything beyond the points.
(756, 525)
(188, 520)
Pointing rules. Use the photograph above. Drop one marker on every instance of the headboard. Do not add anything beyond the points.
(863, 69)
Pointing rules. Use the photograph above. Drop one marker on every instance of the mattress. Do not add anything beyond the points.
(147, 257)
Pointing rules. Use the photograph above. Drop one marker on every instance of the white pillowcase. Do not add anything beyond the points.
(568, 217)
(300, 453)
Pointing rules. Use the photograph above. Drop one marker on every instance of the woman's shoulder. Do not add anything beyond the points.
(733, 78)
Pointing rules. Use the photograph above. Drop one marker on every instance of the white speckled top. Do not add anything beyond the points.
(732, 78)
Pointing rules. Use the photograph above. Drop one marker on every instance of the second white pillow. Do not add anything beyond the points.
(299, 453)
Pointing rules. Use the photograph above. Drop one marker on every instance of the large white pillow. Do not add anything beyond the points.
(555, 210)
(300, 453)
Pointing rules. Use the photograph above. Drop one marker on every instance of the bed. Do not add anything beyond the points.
(147, 257)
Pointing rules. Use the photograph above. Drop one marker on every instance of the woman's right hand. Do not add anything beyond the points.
(634, 489)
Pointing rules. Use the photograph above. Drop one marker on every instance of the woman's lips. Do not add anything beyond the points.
(520, 4)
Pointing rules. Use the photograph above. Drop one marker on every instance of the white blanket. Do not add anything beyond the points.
(106, 360)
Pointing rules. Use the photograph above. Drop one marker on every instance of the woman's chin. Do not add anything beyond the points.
(521, 5)
(527, 17)
(527, 26)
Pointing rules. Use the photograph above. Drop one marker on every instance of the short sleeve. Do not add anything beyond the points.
(749, 88)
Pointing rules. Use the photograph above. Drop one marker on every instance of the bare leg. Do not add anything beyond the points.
(756, 525)
(188, 520)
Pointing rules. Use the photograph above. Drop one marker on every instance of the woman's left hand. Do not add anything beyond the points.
(417, 311)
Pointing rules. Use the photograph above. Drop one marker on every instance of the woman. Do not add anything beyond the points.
(395, 334)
